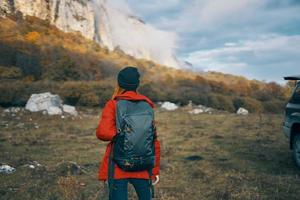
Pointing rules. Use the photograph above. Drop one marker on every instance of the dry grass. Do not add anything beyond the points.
(218, 156)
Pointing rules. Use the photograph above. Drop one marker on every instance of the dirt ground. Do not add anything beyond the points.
(204, 156)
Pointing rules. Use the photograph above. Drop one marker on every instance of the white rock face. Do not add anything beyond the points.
(70, 110)
(6, 169)
(44, 101)
(100, 21)
(242, 111)
(169, 106)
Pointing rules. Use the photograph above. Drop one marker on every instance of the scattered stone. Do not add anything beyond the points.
(20, 125)
(6, 169)
(169, 106)
(201, 109)
(242, 111)
(193, 158)
(36, 164)
(70, 110)
(196, 111)
(15, 109)
(31, 166)
(6, 110)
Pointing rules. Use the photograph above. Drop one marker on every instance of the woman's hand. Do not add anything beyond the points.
(156, 180)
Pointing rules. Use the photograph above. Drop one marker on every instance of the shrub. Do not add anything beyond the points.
(32, 36)
(220, 102)
(274, 106)
(88, 99)
(10, 72)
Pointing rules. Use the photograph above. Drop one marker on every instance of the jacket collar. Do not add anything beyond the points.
(132, 95)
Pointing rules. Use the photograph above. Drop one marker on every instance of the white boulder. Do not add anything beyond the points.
(70, 110)
(44, 101)
(242, 111)
(50, 104)
(6, 169)
(169, 106)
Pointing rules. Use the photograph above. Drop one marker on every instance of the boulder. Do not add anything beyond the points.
(44, 101)
(70, 110)
(50, 104)
(242, 111)
(169, 106)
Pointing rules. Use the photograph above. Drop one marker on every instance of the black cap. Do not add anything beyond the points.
(129, 78)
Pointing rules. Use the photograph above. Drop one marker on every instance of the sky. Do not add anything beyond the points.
(259, 39)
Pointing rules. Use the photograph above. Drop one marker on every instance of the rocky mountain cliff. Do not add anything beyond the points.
(99, 21)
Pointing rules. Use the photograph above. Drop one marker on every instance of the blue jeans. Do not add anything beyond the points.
(120, 189)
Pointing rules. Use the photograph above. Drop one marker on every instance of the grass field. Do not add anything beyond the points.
(205, 156)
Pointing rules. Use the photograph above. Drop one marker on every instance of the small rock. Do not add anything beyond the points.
(169, 106)
(6, 110)
(15, 109)
(242, 111)
(31, 166)
(54, 110)
(36, 164)
(196, 111)
(70, 110)
(62, 117)
(6, 169)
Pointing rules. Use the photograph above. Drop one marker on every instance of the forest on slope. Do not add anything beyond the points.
(37, 57)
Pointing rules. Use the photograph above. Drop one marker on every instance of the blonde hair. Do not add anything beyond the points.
(118, 90)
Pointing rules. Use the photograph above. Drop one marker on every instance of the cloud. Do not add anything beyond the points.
(269, 57)
(235, 32)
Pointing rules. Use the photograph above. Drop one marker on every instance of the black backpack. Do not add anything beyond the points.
(133, 146)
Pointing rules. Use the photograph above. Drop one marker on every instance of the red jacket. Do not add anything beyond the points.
(107, 130)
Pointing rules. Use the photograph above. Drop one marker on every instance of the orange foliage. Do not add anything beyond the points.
(32, 36)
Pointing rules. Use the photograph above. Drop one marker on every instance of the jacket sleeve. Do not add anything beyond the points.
(155, 170)
(106, 129)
